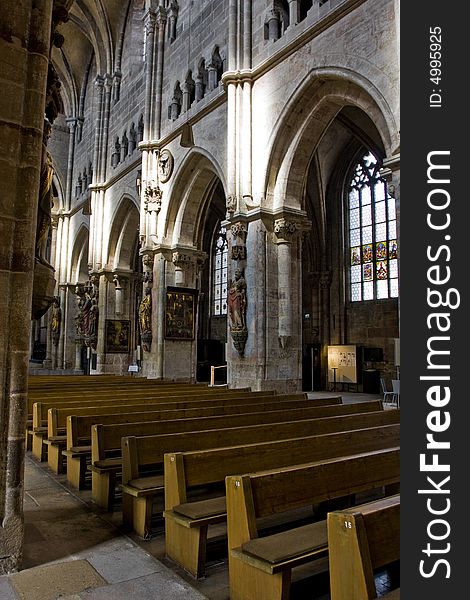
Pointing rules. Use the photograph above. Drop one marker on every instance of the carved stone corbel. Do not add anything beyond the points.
(231, 204)
(239, 232)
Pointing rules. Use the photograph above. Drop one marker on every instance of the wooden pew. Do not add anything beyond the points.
(260, 567)
(106, 458)
(139, 487)
(361, 539)
(54, 433)
(186, 522)
(78, 439)
(39, 426)
(78, 393)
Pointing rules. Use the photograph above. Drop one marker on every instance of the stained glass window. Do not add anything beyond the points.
(373, 246)
(219, 273)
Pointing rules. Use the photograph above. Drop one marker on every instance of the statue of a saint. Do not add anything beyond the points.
(45, 197)
(145, 312)
(237, 301)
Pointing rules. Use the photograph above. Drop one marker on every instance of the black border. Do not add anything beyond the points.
(425, 129)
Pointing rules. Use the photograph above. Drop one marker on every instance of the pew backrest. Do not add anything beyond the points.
(184, 470)
(150, 443)
(255, 495)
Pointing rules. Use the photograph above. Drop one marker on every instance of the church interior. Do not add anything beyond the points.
(200, 216)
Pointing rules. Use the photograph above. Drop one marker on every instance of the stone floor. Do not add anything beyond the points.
(74, 551)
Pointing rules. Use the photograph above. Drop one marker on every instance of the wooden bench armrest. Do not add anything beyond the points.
(192, 523)
(287, 549)
(108, 464)
(146, 486)
(58, 440)
(77, 451)
(271, 568)
(39, 429)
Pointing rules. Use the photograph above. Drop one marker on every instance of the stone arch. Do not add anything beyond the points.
(79, 262)
(304, 121)
(123, 235)
(196, 179)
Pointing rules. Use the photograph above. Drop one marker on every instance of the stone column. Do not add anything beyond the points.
(99, 83)
(294, 12)
(391, 173)
(157, 116)
(285, 231)
(24, 56)
(72, 123)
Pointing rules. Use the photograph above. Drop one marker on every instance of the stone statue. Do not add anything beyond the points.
(145, 312)
(87, 318)
(45, 197)
(145, 319)
(56, 318)
(237, 301)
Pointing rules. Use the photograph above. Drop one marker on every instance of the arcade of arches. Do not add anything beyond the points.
(187, 184)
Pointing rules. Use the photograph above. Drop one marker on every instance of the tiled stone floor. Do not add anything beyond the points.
(63, 525)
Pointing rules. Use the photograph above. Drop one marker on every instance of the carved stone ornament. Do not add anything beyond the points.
(238, 252)
(284, 229)
(181, 261)
(165, 165)
(239, 337)
(147, 262)
(153, 197)
(239, 233)
(231, 204)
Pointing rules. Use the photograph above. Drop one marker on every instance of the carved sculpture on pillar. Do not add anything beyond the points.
(237, 311)
(56, 319)
(153, 197)
(87, 318)
(182, 263)
(43, 225)
(239, 233)
(231, 205)
(145, 313)
(165, 165)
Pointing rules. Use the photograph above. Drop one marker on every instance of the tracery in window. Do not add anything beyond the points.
(219, 273)
(373, 256)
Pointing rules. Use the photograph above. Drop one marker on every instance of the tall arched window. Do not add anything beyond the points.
(219, 273)
(373, 241)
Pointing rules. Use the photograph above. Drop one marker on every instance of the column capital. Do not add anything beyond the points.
(288, 225)
(186, 258)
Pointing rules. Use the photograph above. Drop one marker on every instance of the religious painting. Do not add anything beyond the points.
(381, 250)
(356, 256)
(382, 271)
(180, 313)
(367, 253)
(117, 336)
(368, 273)
(392, 249)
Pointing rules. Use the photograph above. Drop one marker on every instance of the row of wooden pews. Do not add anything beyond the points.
(251, 462)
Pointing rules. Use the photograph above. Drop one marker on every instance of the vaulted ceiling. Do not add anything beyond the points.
(94, 32)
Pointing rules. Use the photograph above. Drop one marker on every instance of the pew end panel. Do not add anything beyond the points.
(362, 539)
